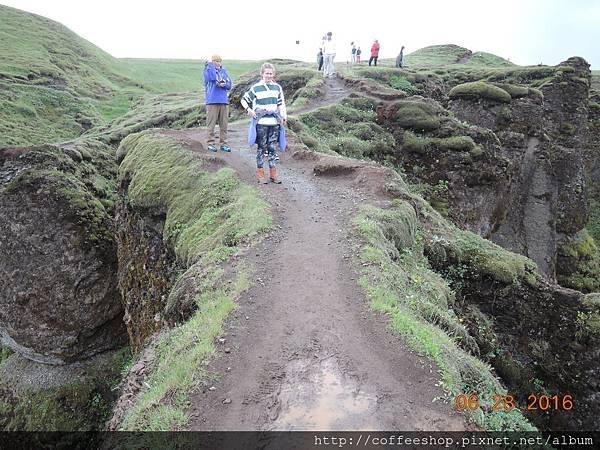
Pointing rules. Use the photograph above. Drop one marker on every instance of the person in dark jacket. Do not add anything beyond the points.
(400, 58)
(216, 84)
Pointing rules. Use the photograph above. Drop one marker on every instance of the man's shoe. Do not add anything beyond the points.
(225, 148)
(212, 148)
(276, 157)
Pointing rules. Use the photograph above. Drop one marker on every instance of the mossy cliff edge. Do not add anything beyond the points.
(60, 309)
(469, 304)
(180, 217)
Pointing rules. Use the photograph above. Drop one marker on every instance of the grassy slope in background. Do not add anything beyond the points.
(54, 85)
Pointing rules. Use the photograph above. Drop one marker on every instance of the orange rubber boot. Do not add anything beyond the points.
(260, 173)
(273, 175)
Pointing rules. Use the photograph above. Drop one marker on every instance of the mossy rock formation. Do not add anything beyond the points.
(480, 89)
(59, 301)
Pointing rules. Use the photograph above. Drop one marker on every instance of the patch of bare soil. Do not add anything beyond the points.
(302, 351)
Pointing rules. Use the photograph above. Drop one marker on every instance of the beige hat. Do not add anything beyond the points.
(215, 57)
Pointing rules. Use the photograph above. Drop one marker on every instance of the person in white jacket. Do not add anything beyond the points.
(328, 55)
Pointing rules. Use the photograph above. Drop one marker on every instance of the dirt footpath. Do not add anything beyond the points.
(303, 351)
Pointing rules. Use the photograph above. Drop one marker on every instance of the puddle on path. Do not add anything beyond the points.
(317, 396)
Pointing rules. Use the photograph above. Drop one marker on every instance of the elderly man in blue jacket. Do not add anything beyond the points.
(216, 85)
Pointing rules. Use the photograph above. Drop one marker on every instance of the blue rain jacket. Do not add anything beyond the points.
(252, 129)
(213, 93)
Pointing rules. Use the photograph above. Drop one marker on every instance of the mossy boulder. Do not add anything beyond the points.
(59, 300)
(578, 263)
(417, 115)
(346, 129)
(480, 90)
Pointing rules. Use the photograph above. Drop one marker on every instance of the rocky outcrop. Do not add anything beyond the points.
(147, 269)
(59, 301)
(543, 136)
(540, 338)
(464, 165)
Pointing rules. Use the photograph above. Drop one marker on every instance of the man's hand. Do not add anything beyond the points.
(251, 112)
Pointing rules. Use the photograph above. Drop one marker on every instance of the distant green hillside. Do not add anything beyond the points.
(180, 75)
(53, 82)
(54, 85)
(39, 51)
(443, 55)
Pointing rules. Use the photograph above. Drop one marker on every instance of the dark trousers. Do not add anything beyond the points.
(373, 58)
(266, 138)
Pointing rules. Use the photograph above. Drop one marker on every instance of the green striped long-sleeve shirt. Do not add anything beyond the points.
(267, 96)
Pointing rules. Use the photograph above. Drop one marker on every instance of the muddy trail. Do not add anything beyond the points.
(302, 351)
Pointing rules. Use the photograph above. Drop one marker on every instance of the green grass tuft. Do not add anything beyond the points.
(360, 137)
(419, 116)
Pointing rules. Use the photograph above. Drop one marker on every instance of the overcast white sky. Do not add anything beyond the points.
(526, 32)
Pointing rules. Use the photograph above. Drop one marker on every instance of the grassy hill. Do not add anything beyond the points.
(38, 51)
(54, 85)
(449, 56)
(444, 55)
(180, 75)
(52, 82)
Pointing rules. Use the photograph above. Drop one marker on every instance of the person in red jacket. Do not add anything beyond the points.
(374, 52)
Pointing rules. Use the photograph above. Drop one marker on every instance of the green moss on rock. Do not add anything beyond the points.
(483, 257)
(589, 319)
(347, 129)
(416, 115)
(207, 214)
(82, 404)
(579, 263)
(419, 144)
(86, 186)
(414, 143)
(458, 143)
(480, 89)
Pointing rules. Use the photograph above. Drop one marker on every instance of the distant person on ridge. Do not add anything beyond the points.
(328, 55)
(400, 58)
(358, 52)
(216, 85)
(320, 60)
(374, 52)
(353, 53)
(265, 103)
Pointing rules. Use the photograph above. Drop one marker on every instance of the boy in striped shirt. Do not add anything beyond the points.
(264, 102)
